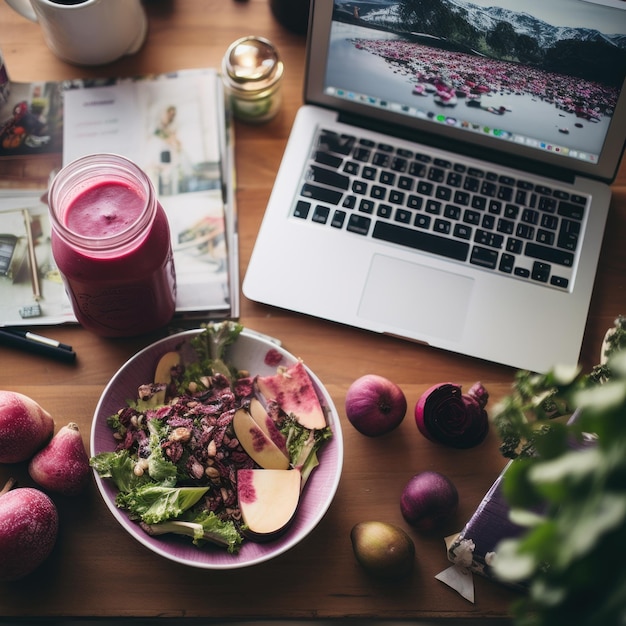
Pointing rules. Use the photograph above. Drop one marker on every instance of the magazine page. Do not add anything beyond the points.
(31, 119)
(172, 126)
(31, 288)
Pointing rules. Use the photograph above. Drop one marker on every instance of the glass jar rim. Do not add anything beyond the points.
(78, 176)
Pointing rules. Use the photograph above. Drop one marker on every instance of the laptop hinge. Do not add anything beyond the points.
(444, 143)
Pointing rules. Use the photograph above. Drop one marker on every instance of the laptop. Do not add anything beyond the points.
(446, 179)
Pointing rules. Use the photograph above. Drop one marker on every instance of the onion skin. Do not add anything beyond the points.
(375, 405)
(445, 415)
(428, 500)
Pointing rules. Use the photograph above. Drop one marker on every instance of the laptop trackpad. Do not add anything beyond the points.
(405, 295)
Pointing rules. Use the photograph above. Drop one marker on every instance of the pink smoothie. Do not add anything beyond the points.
(104, 210)
(116, 291)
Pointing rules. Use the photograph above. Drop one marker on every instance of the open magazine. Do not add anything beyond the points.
(176, 128)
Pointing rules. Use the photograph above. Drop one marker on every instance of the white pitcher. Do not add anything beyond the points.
(88, 32)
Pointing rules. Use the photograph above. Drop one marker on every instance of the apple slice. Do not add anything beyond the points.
(292, 389)
(267, 425)
(163, 372)
(256, 443)
(268, 500)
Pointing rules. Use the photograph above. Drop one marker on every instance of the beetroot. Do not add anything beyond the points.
(445, 415)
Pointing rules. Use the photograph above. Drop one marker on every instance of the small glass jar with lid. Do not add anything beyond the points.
(252, 72)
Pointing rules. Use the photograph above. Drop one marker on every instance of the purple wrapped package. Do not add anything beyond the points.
(489, 525)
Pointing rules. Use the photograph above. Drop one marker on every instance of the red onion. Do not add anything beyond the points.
(375, 405)
(428, 500)
(445, 415)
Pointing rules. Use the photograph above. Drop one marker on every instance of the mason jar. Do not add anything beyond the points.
(111, 242)
(252, 73)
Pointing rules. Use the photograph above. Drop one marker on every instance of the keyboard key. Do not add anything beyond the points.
(350, 167)
(461, 197)
(415, 202)
(568, 235)
(436, 174)
(399, 165)
(487, 238)
(443, 193)
(559, 281)
(396, 197)
(547, 204)
(478, 202)
(422, 221)
(333, 142)
(403, 216)
(369, 172)
(406, 183)
(358, 186)
(505, 226)
(359, 224)
(442, 226)
(471, 184)
(525, 231)
(320, 214)
(540, 272)
(302, 209)
(511, 211)
(522, 272)
(488, 189)
(362, 154)
(421, 240)
(384, 210)
(452, 212)
(426, 189)
(325, 158)
(378, 192)
(339, 218)
(433, 206)
(550, 255)
(514, 245)
(417, 169)
(484, 257)
(471, 217)
(366, 206)
(529, 216)
(545, 237)
(381, 159)
(505, 193)
(507, 262)
(571, 211)
(349, 202)
(331, 196)
(387, 178)
(328, 177)
(462, 231)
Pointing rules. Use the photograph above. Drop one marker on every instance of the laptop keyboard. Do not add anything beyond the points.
(468, 214)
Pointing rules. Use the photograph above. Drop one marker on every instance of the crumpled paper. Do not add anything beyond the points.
(459, 575)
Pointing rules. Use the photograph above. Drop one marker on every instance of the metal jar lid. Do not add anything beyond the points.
(252, 64)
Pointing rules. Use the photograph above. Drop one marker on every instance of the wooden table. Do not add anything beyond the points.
(96, 569)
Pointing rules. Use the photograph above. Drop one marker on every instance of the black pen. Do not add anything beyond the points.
(37, 344)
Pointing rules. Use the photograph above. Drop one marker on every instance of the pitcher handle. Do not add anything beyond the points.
(24, 8)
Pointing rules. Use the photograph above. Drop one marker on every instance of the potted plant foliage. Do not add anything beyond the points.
(567, 487)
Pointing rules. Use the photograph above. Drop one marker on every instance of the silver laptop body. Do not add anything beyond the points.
(375, 82)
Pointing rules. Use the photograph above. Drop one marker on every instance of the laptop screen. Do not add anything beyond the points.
(541, 78)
